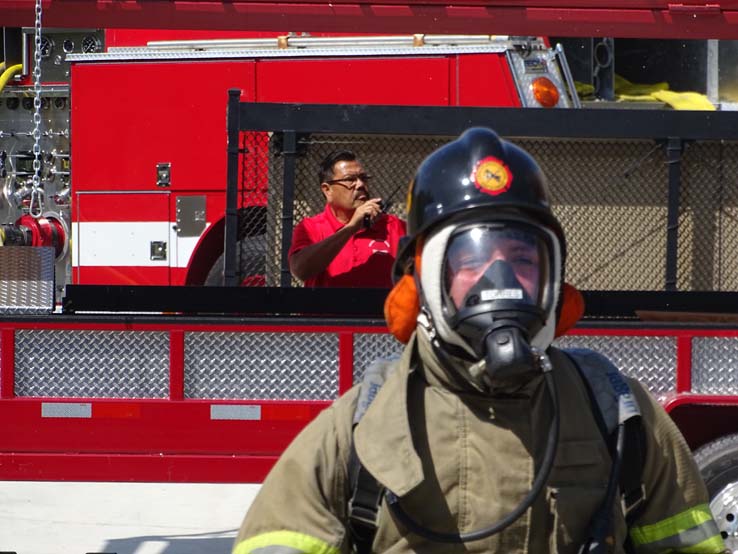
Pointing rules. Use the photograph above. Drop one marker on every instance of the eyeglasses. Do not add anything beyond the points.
(353, 179)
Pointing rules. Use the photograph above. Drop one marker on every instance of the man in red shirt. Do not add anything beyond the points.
(351, 243)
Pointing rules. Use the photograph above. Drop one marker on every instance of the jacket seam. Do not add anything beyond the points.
(463, 461)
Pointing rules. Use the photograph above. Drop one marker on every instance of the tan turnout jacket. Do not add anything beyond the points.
(460, 460)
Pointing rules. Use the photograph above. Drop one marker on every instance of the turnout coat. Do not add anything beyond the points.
(460, 460)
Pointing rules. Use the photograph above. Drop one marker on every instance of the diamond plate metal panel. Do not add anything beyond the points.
(370, 346)
(92, 364)
(651, 360)
(270, 366)
(715, 365)
(26, 280)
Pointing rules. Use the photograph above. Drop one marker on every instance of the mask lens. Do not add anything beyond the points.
(500, 262)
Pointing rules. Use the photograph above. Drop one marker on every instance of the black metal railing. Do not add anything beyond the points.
(627, 184)
(647, 198)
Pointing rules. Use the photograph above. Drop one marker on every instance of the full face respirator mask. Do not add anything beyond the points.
(498, 293)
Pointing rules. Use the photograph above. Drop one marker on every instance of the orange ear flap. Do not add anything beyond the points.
(572, 309)
(401, 308)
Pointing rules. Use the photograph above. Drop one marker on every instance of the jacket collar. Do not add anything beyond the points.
(383, 438)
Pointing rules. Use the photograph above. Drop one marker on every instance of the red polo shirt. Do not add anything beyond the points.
(364, 261)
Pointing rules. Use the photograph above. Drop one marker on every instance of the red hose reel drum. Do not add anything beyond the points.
(45, 231)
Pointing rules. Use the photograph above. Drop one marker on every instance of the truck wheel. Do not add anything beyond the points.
(718, 463)
(250, 256)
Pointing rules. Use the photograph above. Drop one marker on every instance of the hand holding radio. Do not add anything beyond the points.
(369, 219)
(365, 214)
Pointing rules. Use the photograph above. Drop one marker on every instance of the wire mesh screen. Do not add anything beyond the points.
(251, 234)
(708, 217)
(390, 160)
(611, 197)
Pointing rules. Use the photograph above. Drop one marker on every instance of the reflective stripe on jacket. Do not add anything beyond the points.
(284, 542)
(693, 531)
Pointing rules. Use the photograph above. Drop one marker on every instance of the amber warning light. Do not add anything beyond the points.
(545, 92)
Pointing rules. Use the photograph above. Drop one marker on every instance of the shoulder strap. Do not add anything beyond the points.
(365, 492)
(612, 403)
(631, 484)
(374, 377)
(363, 505)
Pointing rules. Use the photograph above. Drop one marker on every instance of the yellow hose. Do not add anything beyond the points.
(2, 66)
(8, 73)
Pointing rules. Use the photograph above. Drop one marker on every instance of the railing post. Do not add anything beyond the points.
(230, 233)
(674, 146)
(289, 153)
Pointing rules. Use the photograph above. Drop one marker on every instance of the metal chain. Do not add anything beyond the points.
(37, 191)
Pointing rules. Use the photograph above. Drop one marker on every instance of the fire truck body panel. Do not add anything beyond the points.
(181, 106)
(120, 248)
(128, 227)
(432, 81)
(151, 404)
(127, 216)
(162, 398)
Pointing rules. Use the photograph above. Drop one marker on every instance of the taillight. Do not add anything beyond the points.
(545, 92)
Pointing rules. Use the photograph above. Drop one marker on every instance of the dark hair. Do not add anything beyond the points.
(326, 166)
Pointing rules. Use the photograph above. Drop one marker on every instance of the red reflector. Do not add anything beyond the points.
(116, 411)
(287, 413)
(545, 92)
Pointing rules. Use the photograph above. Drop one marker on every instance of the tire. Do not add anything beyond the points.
(250, 256)
(718, 463)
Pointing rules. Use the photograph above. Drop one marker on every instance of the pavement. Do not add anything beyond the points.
(121, 518)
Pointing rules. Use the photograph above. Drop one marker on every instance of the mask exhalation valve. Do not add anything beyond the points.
(508, 353)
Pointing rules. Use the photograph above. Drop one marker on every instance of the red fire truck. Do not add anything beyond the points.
(104, 393)
(151, 217)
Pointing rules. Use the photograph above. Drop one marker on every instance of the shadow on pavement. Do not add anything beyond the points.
(220, 542)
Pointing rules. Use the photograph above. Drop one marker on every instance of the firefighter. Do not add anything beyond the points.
(483, 437)
(352, 242)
